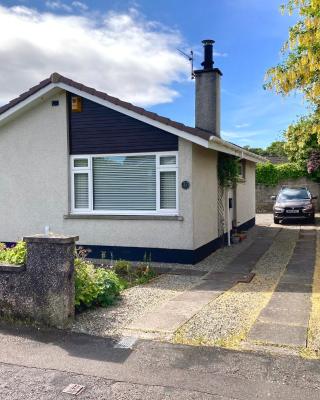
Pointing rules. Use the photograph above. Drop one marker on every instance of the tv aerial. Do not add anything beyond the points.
(190, 58)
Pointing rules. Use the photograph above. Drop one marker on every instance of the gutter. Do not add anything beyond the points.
(223, 146)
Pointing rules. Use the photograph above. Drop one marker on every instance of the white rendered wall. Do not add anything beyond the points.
(205, 195)
(245, 195)
(34, 188)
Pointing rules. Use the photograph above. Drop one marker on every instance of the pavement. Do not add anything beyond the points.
(39, 364)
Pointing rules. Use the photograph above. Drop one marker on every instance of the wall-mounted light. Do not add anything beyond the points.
(76, 104)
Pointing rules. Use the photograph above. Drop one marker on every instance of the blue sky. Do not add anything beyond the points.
(143, 36)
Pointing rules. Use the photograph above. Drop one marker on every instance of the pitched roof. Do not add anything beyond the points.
(57, 78)
(196, 135)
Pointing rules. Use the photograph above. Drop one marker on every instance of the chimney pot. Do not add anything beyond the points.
(208, 54)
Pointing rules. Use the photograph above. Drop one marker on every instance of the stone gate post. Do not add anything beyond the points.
(50, 271)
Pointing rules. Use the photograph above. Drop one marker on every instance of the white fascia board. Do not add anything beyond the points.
(228, 148)
(24, 103)
(130, 113)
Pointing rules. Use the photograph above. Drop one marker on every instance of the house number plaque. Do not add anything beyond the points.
(185, 185)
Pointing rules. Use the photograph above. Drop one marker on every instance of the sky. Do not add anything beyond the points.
(128, 48)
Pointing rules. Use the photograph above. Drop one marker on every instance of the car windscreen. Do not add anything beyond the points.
(293, 194)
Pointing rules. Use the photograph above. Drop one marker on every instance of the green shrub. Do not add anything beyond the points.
(271, 174)
(228, 169)
(122, 267)
(13, 255)
(95, 286)
(144, 273)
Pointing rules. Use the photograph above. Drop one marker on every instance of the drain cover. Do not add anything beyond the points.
(74, 389)
(126, 342)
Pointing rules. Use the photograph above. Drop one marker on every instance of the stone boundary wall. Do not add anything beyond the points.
(263, 193)
(43, 289)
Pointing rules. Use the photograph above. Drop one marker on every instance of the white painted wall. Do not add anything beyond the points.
(34, 171)
(34, 188)
(205, 195)
(245, 195)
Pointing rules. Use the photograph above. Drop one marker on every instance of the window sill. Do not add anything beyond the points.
(126, 217)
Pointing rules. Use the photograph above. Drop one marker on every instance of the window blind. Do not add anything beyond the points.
(81, 190)
(168, 189)
(124, 183)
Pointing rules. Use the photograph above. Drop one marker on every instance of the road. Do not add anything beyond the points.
(39, 364)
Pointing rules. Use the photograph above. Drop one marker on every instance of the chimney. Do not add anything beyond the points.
(208, 92)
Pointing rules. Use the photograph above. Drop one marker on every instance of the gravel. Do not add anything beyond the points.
(134, 302)
(227, 320)
(138, 300)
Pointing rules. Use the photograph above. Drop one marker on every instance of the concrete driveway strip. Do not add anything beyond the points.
(177, 369)
(284, 321)
(168, 317)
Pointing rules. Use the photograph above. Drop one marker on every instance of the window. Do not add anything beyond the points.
(125, 184)
(242, 169)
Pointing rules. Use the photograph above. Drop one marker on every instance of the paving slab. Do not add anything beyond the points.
(299, 317)
(284, 321)
(279, 334)
(161, 321)
(293, 287)
(212, 286)
(294, 302)
(294, 277)
(223, 276)
(171, 315)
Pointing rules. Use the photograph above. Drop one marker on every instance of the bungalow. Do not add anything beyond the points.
(129, 182)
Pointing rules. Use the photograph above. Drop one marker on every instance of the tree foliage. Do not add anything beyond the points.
(271, 174)
(300, 71)
(275, 149)
(300, 68)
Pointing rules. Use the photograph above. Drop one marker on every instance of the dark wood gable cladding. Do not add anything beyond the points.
(100, 130)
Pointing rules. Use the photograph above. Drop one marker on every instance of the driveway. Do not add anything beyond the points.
(255, 295)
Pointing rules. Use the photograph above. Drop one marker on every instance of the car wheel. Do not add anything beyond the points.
(276, 220)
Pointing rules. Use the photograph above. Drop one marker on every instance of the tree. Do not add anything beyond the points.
(301, 68)
(300, 71)
(276, 149)
(256, 150)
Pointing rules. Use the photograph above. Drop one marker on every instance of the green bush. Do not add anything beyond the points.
(122, 267)
(95, 286)
(271, 174)
(144, 273)
(228, 169)
(13, 255)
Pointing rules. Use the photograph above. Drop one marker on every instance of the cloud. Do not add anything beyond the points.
(78, 4)
(244, 125)
(58, 5)
(120, 53)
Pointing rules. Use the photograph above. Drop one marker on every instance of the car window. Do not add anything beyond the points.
(294, 194)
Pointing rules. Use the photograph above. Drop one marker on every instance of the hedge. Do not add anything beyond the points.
(269, 174)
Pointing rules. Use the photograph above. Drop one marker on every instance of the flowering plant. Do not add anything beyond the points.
(313, 163)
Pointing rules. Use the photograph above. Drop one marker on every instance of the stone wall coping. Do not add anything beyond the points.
(12, 268)
(51, 238)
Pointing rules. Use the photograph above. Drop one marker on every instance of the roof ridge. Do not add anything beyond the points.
(56, 78)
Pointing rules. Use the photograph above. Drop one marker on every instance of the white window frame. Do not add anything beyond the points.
(159, 168)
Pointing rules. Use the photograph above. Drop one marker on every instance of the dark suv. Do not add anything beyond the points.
(294, 203)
